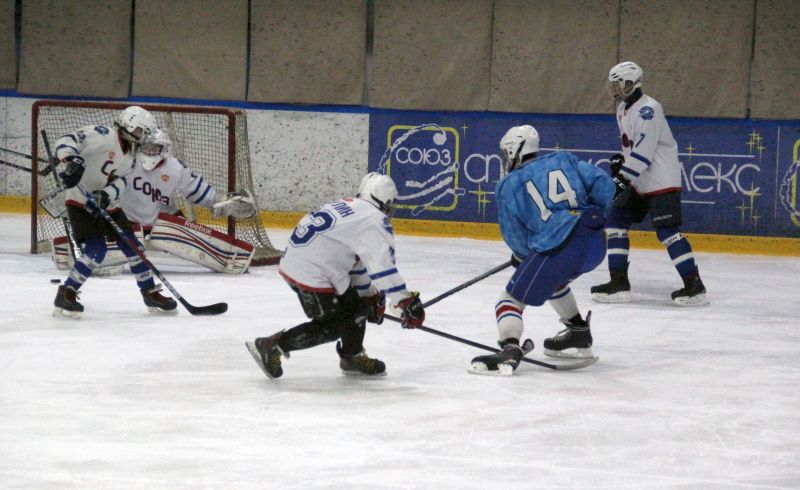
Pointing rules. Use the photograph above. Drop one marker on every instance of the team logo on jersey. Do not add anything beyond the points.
(111, 155)
(165, 178)
(646, 113)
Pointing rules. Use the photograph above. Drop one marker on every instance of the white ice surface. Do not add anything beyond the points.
(681, 398)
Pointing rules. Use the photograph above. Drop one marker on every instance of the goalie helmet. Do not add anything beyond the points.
(518, 143)
(623, 79)
(135, 122)
(155, 148)
(379, 190)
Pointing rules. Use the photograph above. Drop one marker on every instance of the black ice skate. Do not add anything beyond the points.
(157, 302)
(693, 292)
(574, 342)
(267, 354)
(618, 290)
(504, 363)
(66, 303)
(360, 364)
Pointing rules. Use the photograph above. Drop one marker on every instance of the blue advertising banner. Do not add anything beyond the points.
(739, 176)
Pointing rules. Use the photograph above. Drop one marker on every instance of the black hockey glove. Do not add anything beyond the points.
(621, 183)
(616, 163)
(376, 307)
(71, 175)
(101, 200)
(413, 314)
(515, 260)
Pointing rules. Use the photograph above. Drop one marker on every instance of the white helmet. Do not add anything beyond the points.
(379, 190)
(624, 78)
(155, 148)
(517, 143)
(135, 122)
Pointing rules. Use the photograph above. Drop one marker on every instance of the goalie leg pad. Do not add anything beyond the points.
(200, 244)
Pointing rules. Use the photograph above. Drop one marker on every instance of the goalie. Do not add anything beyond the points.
(149, 200)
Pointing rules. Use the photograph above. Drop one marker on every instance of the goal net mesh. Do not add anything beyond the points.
(212, 141)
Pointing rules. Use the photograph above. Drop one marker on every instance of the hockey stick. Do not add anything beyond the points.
(74, 248)
(49, 168)
(215, 309)
(466, 284)
(44, 172)
(556, 367)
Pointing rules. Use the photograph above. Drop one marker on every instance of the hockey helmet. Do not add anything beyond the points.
(623, 79)
(134, 122)
(155, 147)
(518, 143)
(379, 190)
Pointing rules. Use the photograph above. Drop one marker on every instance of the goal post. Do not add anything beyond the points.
(211, 141)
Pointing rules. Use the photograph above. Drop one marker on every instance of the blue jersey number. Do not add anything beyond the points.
(558, 189)
(309, 227)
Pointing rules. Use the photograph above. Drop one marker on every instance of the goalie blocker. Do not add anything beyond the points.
(200, 244)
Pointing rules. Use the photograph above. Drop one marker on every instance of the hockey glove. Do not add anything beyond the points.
(71, 175)
(376, 307)
(616, 163)
(515, 260)
(413, 314)
(238, 204)
(101, 200)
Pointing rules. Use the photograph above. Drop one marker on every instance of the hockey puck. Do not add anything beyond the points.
(55, 281)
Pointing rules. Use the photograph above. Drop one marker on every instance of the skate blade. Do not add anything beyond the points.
(62, 313)
(251, 347)
(363, 375)
(481, 369)
(571, 353)
(158, 311)
(621, 297)
(699, 300)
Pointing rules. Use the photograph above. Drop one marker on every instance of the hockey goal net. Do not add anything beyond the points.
(212, 141)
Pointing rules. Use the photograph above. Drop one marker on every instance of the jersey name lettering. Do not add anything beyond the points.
(148, 190)
(342, 209)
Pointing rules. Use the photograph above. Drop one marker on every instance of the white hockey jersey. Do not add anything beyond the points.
(344, 243)
(105, 162)
(651, 153)
(149, 193)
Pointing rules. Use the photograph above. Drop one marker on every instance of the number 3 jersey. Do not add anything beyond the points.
(344, 243)
(150, 192)
(540, 202)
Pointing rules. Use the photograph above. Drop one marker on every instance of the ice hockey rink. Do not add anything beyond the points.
(120, 399)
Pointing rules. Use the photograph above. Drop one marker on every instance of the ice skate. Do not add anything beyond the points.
(360, 364)
(618, 290)
(157, 302)
(503, 363)
(693, 293)
(66, 303)
(574, 342)
(267, 354)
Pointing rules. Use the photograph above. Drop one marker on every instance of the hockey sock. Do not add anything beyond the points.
(679, 249)
(144, 278)
(307, 335)
(508, 312)
(618, 247)
(94, 251)
(563, 301)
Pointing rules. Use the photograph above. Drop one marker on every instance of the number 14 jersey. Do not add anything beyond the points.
(539, 203)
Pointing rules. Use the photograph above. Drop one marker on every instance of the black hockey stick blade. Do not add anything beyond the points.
(215, 309)
(556, 367)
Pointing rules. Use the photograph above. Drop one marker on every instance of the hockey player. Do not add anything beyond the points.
(551, 214)
(97, 160)
(649, 177)
(150, 200)
(340, 262)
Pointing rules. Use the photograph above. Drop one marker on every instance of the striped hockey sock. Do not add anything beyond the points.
(144, 278)
(618, 248)
(679, 249)
(94, 251)
(508, 312)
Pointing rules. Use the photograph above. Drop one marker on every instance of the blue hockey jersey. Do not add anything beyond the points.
(540, 202)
